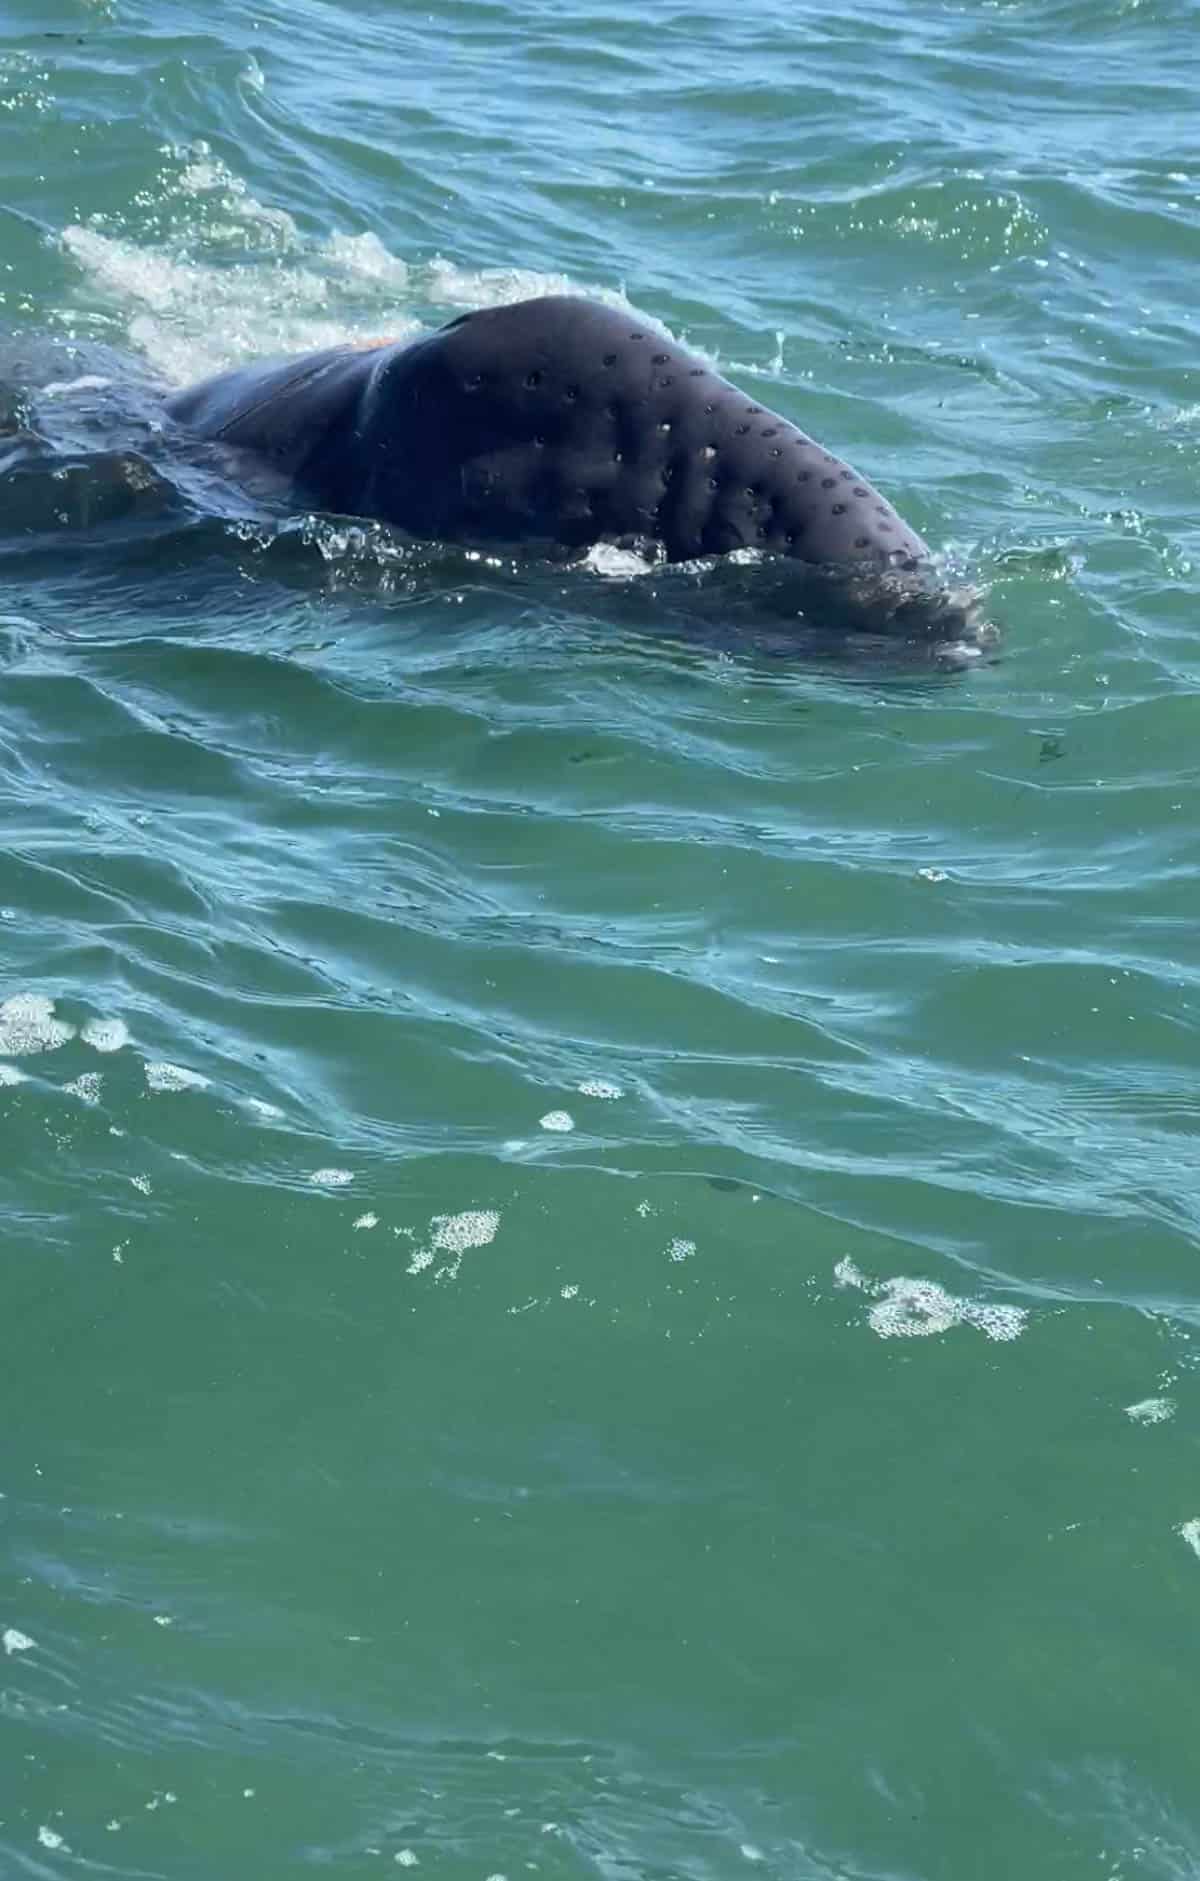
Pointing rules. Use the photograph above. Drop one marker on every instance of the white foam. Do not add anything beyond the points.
(191, 315)
(475, 1227)
(1190, 1532)
(192, 310)
(560, 1120)
(846, 1274)
(257, 223)
(366, 257)
(405, 1858)
(161, 1076)
(600, 1087)
(453, 1235)
(918, 1309)
(913, 1309)
(50, 1838)
(1151, 1410)
(86, 1086)
(14, 1641)
(679, 1250)
(9, 1074)
(621, 564)
(89, 382)
(331, 1178)
(190, 318)
(270, 1113)
(997, 1322)
(367, 1221)
(28, 1025)
(105, 1035)
(445, 282)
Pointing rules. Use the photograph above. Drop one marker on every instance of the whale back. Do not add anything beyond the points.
(569, 420)
(296, 412)
(556, 419)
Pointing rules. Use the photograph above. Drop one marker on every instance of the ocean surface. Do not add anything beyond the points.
(600, 1215)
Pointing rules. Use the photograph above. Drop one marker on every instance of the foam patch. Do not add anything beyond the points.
(28, 1025)
(161, 1076)
(904, 1308)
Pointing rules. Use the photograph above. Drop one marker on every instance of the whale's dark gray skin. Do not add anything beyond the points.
(556, 419)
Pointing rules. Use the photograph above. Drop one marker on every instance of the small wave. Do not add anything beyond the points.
(191, 310)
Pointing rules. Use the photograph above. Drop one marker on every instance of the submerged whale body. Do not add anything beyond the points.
(557, 420)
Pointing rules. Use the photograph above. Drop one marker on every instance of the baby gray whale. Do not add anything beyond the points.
(564, 421)
(545, 427)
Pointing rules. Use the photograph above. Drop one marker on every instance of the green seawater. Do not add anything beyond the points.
(599, 1224)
